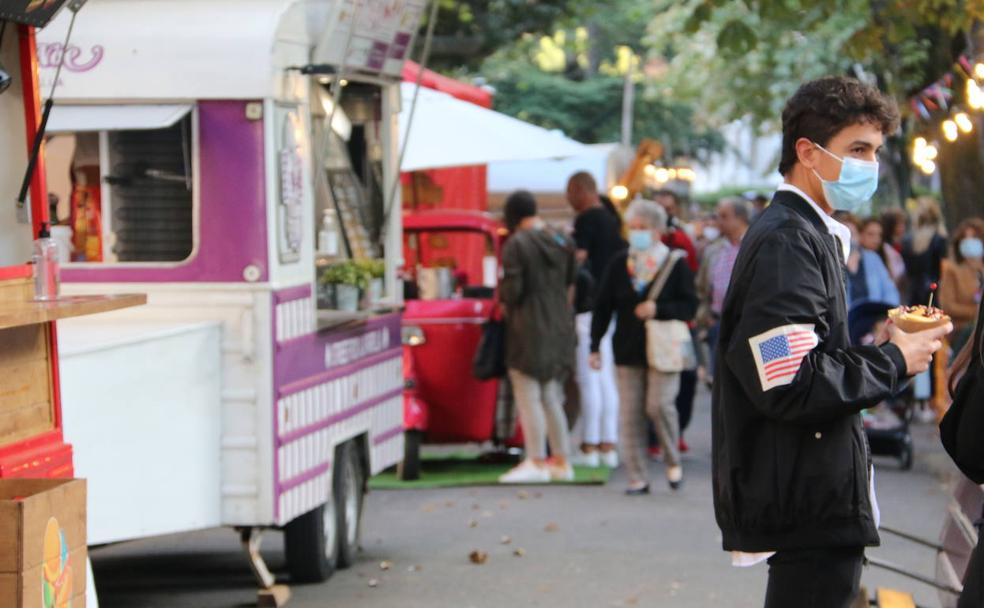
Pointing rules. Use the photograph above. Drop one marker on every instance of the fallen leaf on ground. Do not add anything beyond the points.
(488, 514)
(373, 582)
(476, 507)
(385, 565)
(478, 557)
(551, 527)
(522, 495)
(415, 568)
(505, 540)
(519, 552)
(472, 523)
(449, 504)
(537, 494)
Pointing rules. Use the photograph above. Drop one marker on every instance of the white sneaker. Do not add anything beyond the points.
(610, 459)
(586, 459)
(526, 472)
(563, 472)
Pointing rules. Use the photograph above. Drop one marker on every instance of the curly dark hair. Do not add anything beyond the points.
(821, 108)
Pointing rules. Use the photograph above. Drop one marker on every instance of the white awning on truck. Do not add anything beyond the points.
(449, 132)
(80, 118)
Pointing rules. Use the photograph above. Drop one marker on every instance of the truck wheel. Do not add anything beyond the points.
(409, 469)
(311, 544)
(349, 486)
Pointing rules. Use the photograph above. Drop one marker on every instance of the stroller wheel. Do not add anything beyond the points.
(906, 455)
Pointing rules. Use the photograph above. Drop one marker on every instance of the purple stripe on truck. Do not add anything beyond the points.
(339, 417)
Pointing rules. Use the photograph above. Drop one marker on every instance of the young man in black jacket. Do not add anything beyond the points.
(792, 473)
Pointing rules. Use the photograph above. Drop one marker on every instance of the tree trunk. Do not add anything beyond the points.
(961, 163)
(961, 168)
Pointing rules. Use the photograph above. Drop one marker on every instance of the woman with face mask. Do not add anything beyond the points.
(625, 292)
(963, 276)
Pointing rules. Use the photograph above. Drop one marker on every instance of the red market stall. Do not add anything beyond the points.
(31, 441)
(457, 187)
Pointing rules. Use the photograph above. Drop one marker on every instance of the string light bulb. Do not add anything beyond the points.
(975, 97)
(928, 167)
(979, 70)
(662, 175)
(963, 121)
(950, 130)
(619, 192)
(930, 152)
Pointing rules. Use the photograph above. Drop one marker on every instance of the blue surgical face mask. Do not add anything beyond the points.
(856, 185)
(972, 248)
(640, 240)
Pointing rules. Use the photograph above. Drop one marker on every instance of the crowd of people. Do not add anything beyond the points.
(606, 271)
(770, 303)
(626, 415)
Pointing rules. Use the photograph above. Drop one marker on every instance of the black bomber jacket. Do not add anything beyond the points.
(790, 459)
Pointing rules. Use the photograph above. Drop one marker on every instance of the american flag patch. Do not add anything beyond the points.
(779, 353)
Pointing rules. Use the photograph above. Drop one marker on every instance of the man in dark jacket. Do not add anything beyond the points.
(792, 472)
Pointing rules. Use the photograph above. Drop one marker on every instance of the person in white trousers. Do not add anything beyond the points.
(598, 237)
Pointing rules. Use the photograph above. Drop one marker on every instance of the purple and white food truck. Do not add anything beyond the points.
(219, 155)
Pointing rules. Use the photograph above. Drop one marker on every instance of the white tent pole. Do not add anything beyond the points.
(422, 67)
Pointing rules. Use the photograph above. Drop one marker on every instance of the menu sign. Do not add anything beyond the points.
(377, 35)
(30, 12)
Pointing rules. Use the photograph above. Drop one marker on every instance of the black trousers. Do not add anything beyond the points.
(814, 578)
(685, 398)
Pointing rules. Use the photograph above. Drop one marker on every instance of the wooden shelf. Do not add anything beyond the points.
(17, 314)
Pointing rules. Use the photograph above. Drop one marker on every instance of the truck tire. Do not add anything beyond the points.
(349, 489)
(311, 544)
(409, 469)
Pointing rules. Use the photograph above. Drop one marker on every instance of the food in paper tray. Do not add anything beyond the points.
(912, 319)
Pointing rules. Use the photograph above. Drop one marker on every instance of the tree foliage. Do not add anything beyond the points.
(590, 110)
(469, 31)
(741, 58)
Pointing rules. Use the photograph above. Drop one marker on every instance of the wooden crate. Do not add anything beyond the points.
(42, 543)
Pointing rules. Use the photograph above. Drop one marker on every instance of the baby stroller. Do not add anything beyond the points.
(887, 424)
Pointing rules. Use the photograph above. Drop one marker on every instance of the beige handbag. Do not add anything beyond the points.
(669, 345)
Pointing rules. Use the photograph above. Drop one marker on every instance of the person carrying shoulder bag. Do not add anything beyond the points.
(651, 292)
(962, 434)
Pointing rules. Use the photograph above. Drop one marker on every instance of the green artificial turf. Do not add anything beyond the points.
(470, 470)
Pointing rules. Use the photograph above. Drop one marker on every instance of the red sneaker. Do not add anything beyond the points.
(684, 448)
(655, 453)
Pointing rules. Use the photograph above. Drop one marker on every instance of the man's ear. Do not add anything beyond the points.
(806, 153)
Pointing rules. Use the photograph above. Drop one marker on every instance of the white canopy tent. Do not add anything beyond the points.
(449, 132)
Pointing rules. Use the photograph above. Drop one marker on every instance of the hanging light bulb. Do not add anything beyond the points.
(930, 152)
(619, 192)
(975, 97)
(979, 70)
(963, 121)
(928, 167)
(950, 130)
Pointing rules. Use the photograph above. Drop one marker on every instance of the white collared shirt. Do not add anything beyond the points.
(841, 232)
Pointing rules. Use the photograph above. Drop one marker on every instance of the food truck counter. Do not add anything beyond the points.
(22, 312)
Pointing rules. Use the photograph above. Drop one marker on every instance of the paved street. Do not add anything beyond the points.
(583, 546)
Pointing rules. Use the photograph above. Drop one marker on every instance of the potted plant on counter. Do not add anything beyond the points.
(346, 280)
(375, 270)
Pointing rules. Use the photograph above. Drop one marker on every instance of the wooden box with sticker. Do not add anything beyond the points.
(42, 543)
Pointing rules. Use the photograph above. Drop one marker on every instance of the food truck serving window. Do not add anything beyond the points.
(122, 181)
